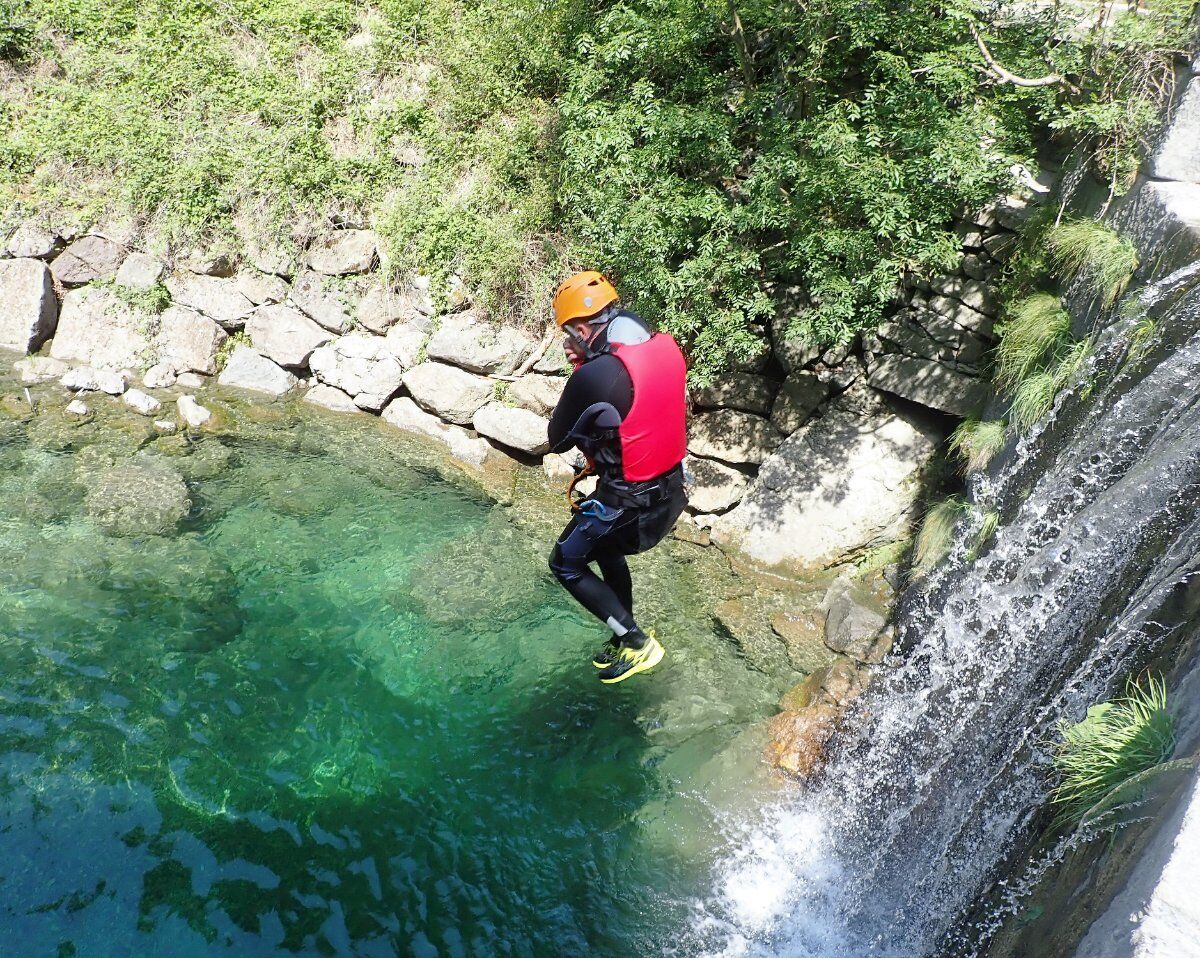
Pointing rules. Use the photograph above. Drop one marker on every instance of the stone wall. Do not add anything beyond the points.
(800, 460)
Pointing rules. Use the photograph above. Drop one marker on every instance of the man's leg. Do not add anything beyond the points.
(581, 540)
(615, 571)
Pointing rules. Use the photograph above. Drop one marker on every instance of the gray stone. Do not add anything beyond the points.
(279, 260)
(343, 252)
(141, 402)
(285, 335)
(929, 383)
(325, 306)
(32, 240)
(1000, 246)
(732, 436)
(447, 391)
(77, 407)
(852, 626)
(98, 328)
(799, 397)
(744, 391)
(28, 309)
(208, 263)
(259, 287)
(81, 379)
(756, 358)
(191, 380)
(539, 394)
(480, 347)
(329, 398)
(961, 314)
(136, 500)
(165, 427)
(213, 296)
(715, 486)
(191, 412)
(113, 383)
(381, 308)
(406, 342)
(1163, 221)
(553, 362)
(86, 260)
(247, 369)
(979, 296)
(140, 271)
(842, 376)
(404, 414)
(188, 341)
(846, 481)
(422, 295)
(1178, 155)
(1013, 211)
(40, 369)
(159, 376)
(361, 366)
(978, 267)
(513, 427)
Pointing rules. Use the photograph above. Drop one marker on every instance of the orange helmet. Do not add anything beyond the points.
(583, 296)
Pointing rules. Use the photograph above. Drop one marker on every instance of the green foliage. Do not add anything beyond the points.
(984, 534)
(1116, 741)
(708, 166)
(976, 442)
(153, 299)
(1036, 328)
(1033, 399)
(234, 340)
(936, 535)
(1095, 252)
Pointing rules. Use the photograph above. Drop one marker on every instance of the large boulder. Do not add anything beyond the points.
(715, 486)
(799, 739)
(28, 309)
(447, 391)
(382, 308)
(259, 287)
(285, 335)
(361, 366)
(343, 252)
(793, 354)
(842, 483)
(406, 341)
(744, 391)
(799, 397)
(136, 500)
(732, 436)
(539, 394)
(404, 414)
(214, 296)
(40, 369)
(467, 341)
(247, 369)
(98, 328)
(329, 398)
(140, 271)
(513, 427)
(188, 341)
(929, 383)
(854, 624)
(88, 259)
(326, 306)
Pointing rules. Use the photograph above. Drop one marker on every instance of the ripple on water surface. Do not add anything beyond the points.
(342, 710)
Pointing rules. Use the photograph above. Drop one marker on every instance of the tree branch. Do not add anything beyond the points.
(1050, 79)
(739, 42)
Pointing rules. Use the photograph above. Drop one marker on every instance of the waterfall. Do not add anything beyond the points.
(946, 763)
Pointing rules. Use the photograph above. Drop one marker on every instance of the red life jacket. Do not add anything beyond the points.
(654, 434)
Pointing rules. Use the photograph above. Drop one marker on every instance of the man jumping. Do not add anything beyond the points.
(625, 408)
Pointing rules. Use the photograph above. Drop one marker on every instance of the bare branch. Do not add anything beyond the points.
(1050, 79)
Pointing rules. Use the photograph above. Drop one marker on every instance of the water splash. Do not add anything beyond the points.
(917, 815)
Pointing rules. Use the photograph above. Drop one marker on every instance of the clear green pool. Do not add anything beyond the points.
(340, 710)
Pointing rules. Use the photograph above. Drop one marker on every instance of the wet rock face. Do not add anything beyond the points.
(799, 739)
(136, 500)
(28, 309)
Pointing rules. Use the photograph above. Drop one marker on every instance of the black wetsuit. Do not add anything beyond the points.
(630, 519)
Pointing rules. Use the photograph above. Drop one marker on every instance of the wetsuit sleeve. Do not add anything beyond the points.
(602, 379)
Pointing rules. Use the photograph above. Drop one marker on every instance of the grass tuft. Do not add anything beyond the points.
(1032, 400)
(987, 529)
(977, 443)
(936, 535)
(1037, 327)
(1114, 742)
(1095, 253)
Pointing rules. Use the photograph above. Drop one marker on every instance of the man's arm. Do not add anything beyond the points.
(602, 379)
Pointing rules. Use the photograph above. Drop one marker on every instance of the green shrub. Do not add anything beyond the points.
(1036, 328)
(1096, 253)
(976, 442)
(936, 535)
(1117, 740)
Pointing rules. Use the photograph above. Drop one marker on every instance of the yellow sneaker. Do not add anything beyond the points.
(632, 661)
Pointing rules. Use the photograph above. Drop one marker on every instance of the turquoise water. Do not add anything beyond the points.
(339, 708)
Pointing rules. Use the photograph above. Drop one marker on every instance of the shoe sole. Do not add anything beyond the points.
(644, 666)
(602, 665)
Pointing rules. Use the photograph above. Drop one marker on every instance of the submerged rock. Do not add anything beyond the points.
(40, 369)
(135, 500)
(404, 414)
